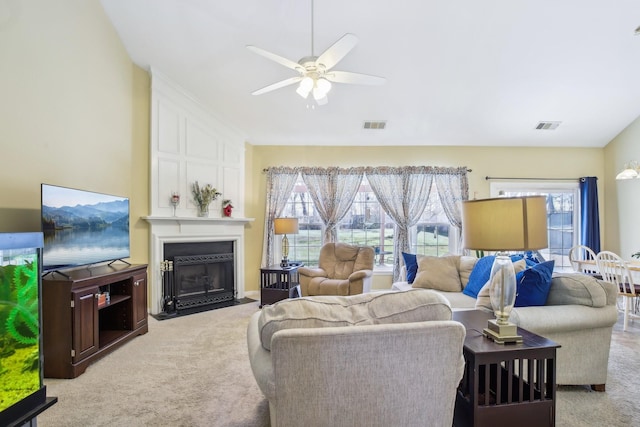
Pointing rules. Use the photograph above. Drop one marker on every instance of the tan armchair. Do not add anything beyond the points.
(342, 270)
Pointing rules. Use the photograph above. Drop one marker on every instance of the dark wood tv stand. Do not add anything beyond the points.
(79, 327)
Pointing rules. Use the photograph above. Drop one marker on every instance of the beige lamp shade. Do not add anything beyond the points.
(505, 223)
(285, 225)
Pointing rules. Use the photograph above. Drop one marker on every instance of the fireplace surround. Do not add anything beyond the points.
(197, 233)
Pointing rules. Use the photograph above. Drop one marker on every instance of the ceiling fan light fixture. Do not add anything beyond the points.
(321, 101)
(631, 171)
(305, 86)
(320, 90)
(323, 85)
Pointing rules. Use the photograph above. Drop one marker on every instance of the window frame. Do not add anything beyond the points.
(497, 189)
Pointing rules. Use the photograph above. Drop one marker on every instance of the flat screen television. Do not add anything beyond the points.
(82, 227)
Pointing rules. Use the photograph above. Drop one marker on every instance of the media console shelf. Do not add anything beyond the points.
(89, 312)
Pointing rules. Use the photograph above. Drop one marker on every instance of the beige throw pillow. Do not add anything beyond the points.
(577, 289)
(484, 298)
(440, 273)
(466, 267)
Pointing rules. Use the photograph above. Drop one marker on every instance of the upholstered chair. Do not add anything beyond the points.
(342, 270)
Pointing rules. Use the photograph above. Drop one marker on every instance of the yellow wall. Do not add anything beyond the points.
(75, 112)
(622, 201)
(484, 161)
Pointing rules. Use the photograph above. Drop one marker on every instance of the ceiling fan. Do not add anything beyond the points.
(315, 72)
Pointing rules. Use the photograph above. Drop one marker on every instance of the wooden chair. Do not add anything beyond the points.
(615, 270)
(583, 260)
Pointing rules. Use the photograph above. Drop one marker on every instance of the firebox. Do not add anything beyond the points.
(198, 276)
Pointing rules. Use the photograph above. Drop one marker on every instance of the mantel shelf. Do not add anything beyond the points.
(207, 220)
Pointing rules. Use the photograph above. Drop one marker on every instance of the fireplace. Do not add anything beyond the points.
(167, 231)
(197, 276)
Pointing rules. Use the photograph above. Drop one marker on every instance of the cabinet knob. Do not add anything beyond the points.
(137, 283)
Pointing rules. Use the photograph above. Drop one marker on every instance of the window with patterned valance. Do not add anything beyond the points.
(394, 209)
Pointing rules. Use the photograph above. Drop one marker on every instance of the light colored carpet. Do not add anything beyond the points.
(194, 371)
(187, 371)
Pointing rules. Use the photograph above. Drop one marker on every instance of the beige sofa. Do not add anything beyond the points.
(377, 359)
(579, 315)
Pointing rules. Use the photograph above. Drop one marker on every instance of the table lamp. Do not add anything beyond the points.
(285, 226)
(500, 225)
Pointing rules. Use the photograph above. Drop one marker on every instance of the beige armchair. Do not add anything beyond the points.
(342, 270)
(377, 360)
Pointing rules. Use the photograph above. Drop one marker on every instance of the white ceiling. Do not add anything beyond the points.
(459, 72)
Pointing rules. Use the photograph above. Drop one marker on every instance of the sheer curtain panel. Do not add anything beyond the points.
(332, 191)
(280, 183)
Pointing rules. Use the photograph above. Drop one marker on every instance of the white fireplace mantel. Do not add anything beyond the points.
(192, 229)
(168, 220)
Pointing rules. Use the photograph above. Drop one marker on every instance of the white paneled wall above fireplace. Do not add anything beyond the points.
(189, 144)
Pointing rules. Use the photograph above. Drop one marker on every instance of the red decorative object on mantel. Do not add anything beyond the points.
(227, 208)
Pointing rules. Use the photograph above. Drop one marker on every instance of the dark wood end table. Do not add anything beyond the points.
(505, 384)
(278, 283)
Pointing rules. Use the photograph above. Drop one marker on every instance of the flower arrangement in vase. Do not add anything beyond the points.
(203, 196)
(175, 201)
(227, 207)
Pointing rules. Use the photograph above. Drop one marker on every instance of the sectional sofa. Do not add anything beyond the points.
(579, 312)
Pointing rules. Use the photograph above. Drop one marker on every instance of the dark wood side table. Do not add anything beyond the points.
(278, 283)
(505, 384)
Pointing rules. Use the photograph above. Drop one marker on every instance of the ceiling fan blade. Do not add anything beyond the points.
(277, 58)
(354, 78)
(277, 85)
(337, 51)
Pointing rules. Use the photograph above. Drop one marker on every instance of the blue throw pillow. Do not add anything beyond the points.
(479, 276)
(411, 262)
(532, 256)
(534, 284)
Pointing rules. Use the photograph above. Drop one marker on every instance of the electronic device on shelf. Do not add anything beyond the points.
(290, 264)
(82, 227)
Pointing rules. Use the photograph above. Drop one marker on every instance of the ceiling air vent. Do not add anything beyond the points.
(547, 125)
(375, 125)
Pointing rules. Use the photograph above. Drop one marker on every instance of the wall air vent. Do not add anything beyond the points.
(380, 125)
(547, 125)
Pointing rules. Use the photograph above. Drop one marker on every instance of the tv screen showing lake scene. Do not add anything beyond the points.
(83, 227)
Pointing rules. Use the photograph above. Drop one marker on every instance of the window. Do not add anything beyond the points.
(304, 246)
(433, 235)
(563, 214)
(367, 224)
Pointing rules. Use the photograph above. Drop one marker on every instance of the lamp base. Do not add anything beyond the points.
(502, 334)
